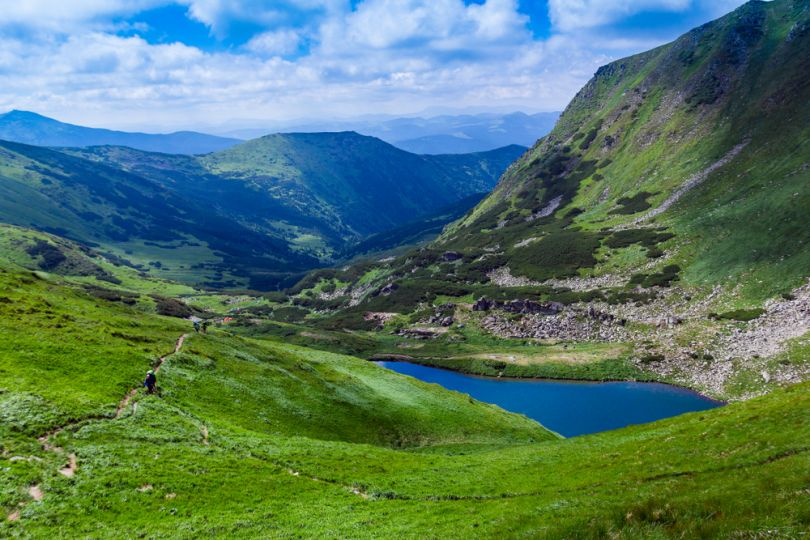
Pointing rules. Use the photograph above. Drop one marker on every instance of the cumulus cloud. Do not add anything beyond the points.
(276, 43)
(573, 14)
(310, 58)
(65, 16)
(219, 15)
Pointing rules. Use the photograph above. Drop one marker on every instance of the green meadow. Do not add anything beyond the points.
(257, 438)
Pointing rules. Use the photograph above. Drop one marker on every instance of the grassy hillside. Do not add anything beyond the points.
(358, 185)
(159, 228)
(704, 139)
(249, 438)
(31, 128)
(232, 220)
(667, 209)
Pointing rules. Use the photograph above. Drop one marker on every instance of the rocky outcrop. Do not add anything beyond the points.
(451, 256)
(519, 306)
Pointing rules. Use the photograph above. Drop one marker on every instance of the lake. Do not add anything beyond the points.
(569, 408)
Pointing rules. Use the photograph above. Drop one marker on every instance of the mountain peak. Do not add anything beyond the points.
(35, 129)
(24, 115)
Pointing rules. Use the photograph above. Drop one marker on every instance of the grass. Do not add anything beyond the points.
(254, 436)
(260, 438)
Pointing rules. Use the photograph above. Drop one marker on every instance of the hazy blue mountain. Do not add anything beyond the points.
(446, 134)
(32, 128)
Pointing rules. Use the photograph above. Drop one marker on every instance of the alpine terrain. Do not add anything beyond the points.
(200, 345)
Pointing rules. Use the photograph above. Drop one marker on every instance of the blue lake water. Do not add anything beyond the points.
(569, 408)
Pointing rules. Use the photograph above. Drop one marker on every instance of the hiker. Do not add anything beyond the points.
(205, 327)
(197, 326)
(150, 382)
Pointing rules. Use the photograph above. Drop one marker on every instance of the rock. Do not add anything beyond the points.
(483, 304)
(519, 306)
(388, 289)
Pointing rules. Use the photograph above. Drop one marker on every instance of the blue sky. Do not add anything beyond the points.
(219, 64)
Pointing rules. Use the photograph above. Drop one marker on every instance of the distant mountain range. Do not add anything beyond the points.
(32, 128)
(446, 134)
(250, 215)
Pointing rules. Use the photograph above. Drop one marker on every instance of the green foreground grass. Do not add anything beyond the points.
(251, 438)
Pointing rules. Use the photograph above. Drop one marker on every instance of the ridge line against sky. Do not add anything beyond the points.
(196, 64)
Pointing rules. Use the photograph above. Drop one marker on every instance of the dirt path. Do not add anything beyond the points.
(35, 491)
(122, 405)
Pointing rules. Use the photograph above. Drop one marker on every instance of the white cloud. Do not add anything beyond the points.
(276, 43)
(383, 56)
(218, 15)
(64, 15)
(572, 14)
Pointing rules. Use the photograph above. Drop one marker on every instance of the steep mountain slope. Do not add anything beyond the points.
(31, 128)
(668, 208)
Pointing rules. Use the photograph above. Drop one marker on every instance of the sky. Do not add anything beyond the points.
(161, 65)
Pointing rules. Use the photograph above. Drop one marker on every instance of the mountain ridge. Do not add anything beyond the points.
(252, 216)
(442, 134)
(32, 128)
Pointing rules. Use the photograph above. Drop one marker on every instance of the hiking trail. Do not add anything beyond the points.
(122, 405)
(35, 491)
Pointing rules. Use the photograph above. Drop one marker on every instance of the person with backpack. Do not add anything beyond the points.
(197, 326)
(205, 327)
(151, 382)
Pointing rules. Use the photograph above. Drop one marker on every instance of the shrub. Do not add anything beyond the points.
(558, 254)
(51, 255)
(633, 205)
(590, 136)
(289, 314)
(664, 278)
(744, 315)
(171, 307)
(646, 237)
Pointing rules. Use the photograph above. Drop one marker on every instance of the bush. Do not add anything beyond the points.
(171, 307)
(633, 205)
(558, 254)
(112, 296)
(590, 136)
(351, 320)
(664, 278)
(289, 314)
(51, 255)
(648, 238)
(743, 315)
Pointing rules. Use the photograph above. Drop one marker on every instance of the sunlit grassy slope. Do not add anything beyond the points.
(258, 439)
(687, 163)
(723, 109)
